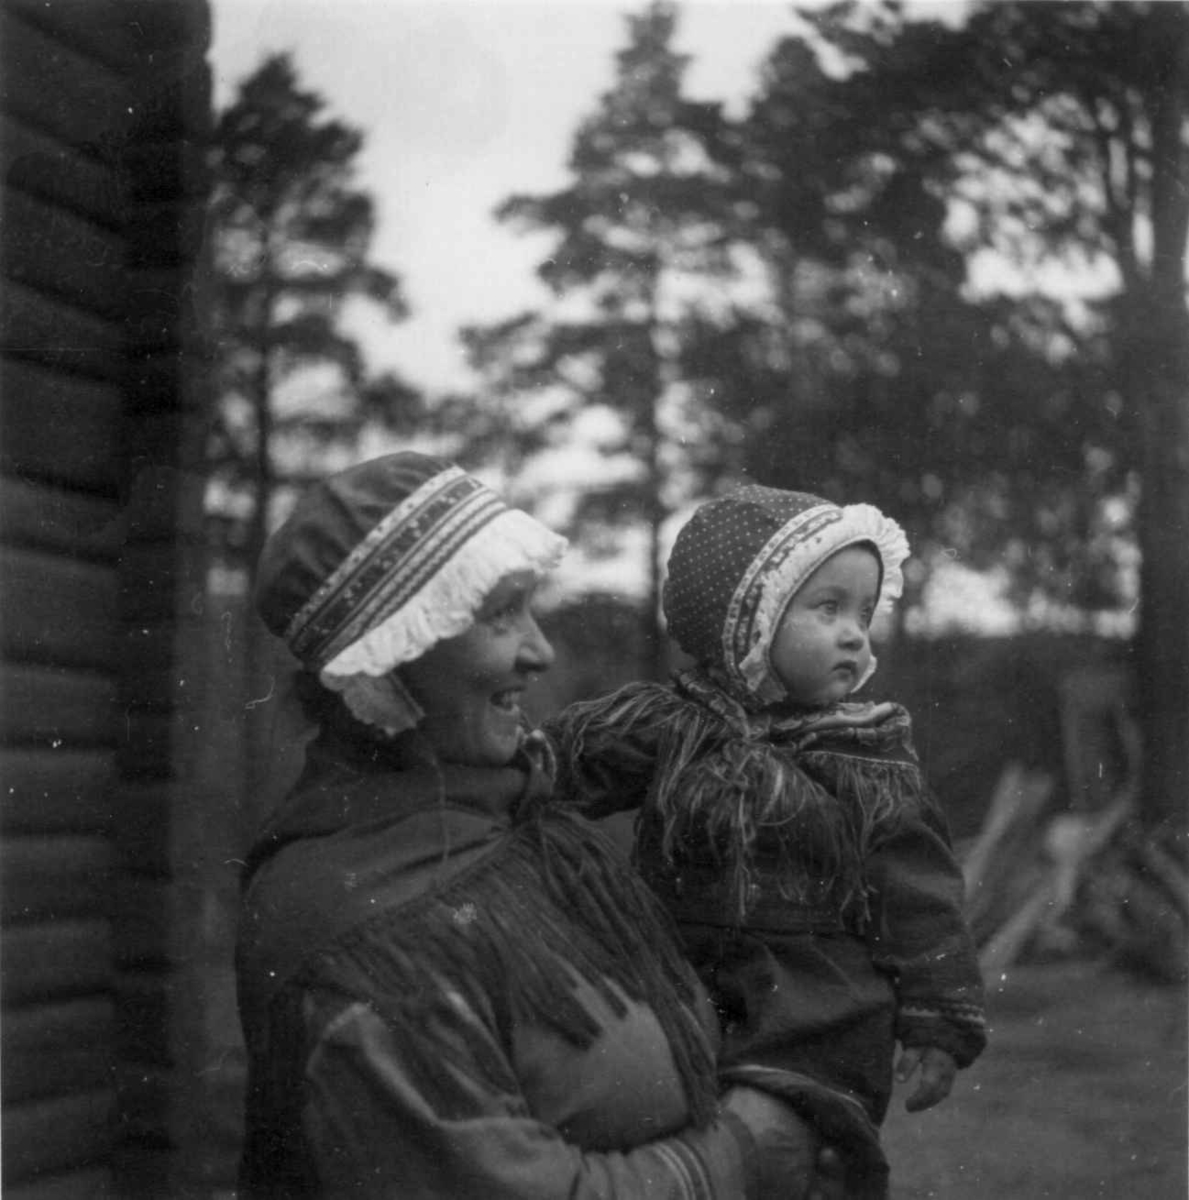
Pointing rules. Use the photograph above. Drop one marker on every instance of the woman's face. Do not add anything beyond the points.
(470, 686)
(822, 646)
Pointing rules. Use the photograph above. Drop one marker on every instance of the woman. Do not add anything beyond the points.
(449, 987)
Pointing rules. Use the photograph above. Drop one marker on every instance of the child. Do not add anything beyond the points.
(787, 827)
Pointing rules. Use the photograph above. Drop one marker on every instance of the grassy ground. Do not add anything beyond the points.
(1081, 1095)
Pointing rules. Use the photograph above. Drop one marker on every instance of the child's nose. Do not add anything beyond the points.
(851, 633)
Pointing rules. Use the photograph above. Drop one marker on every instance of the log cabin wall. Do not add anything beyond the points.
(104, 108)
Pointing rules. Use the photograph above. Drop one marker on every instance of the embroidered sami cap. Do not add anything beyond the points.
(739, 560)
(378, 563)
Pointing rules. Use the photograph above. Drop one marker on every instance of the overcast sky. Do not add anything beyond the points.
(463, 103)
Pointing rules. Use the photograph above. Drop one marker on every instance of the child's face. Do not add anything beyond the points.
(822, 646)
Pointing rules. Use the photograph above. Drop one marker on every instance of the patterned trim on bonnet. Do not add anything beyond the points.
(789, 557)
(366, 583)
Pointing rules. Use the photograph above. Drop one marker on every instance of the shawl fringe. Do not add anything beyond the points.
(486, 937)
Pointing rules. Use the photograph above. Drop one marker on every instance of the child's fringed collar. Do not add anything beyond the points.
(879, 728)
(803, 796)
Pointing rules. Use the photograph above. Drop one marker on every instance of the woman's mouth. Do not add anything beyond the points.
(507, 701)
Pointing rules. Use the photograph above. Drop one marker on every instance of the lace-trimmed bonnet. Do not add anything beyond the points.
(378, 563)
(740, 559)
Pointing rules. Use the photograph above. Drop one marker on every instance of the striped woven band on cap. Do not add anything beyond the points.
(392, 564)
(741, 629)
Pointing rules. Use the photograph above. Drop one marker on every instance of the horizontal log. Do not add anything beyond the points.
(108, 35)
(61, 254)
(42, 517)
(39, 165)
(56, 791)
(56, 960)
(58, 611)
(56, 877)
(57, 1048)
(70, 1185)
(57, 1134)
(38, 328)
(57, 708)
(62, 91)
(31, 444)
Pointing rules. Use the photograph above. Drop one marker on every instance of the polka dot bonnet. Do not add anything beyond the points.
(740, 559)
(378, 563)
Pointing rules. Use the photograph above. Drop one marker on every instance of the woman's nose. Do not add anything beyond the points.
(536, 652)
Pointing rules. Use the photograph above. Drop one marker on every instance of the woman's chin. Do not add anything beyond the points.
(496, 742)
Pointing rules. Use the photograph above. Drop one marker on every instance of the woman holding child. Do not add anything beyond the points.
(786, 825)
(450, 986)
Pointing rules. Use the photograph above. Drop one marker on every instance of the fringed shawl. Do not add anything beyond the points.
(800, 798)
(418, 886)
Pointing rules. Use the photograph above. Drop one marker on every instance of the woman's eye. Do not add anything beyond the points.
(505, 614)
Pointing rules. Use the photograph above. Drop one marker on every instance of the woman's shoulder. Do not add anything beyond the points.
(314, 891)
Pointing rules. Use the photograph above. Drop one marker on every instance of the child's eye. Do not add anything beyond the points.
(830, 607)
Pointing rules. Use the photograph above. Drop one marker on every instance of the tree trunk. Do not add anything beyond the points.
(1161, 351)
(1158, 350)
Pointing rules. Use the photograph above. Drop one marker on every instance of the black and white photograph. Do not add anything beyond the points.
(594, 600)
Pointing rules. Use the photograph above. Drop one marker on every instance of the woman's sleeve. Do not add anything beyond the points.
(598, 774)
(380, 1124)
(921, 937)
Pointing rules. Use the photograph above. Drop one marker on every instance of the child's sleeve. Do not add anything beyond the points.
(920, 936)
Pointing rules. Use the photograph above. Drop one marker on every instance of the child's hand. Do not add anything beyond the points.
(937, 1075)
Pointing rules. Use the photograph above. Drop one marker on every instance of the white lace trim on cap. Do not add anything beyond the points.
(379, 700)
(859, 523)
(448, 602)
(445, 607)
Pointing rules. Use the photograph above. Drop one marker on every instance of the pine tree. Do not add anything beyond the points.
(1063, 125)
(290, 237)
(645, 211)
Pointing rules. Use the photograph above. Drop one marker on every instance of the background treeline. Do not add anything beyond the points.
(937, 267)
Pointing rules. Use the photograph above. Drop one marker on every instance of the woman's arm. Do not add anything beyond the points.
(379, 1125)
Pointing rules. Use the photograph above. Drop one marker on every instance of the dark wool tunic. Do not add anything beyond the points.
(449, 990)
(812, 878)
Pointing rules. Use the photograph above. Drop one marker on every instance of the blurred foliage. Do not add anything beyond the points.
(979, 422)
(645, 210)
(787, 295)
(1059, 129)
(289, 239)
